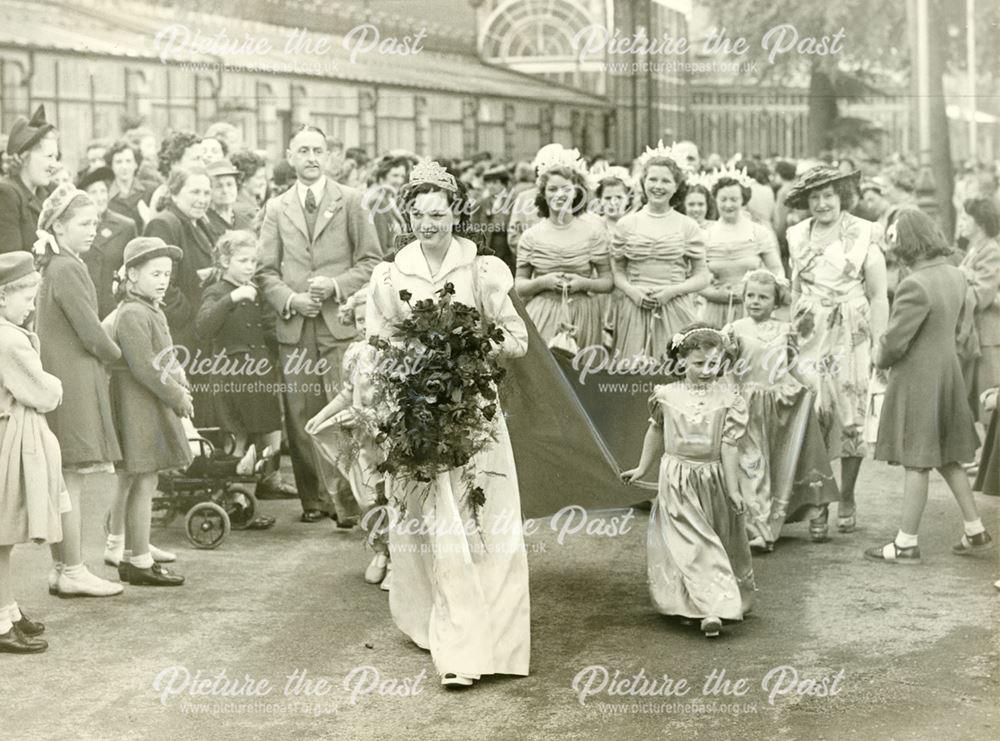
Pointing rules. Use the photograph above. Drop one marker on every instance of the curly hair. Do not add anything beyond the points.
(782, 293)
(902, 176)
(15, 162)
(226, 246)
(248, 163)
(726, 182)
(385, 165)
(711, 211)
(458, 202)
(222, 144)
(224, 133)
(609, 181)
(699, 336)
(173, 148)
(122, 146)
(845, 191)
(579, 190)
(675, 170)
(178, 179)
(356, 299)
(231, 241)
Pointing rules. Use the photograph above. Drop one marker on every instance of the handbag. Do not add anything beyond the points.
(565, 338)
(873, 411)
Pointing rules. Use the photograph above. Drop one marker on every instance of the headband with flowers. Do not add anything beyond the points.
(604, 172)
(704, 179)
(709, 179)
(670, 153)
(680, 337)
(567, 158)
(764, 273)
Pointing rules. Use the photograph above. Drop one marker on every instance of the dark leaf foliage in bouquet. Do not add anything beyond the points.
(436, 390)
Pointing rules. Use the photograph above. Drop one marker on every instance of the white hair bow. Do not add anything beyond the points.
(45, 239)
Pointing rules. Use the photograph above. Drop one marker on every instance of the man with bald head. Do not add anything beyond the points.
(318, 247)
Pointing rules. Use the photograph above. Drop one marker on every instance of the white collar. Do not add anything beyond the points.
(317, 189)
(410, 259)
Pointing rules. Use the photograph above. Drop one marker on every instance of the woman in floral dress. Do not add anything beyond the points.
(840, 309)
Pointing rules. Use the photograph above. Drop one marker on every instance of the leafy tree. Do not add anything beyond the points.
(875, 56)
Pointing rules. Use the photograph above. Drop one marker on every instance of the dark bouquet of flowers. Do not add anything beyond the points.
(436, 391)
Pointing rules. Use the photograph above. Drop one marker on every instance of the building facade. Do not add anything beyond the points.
(100, 66)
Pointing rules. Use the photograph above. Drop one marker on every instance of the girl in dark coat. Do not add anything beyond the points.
(75, 349)
(925, 420)
(182, 223)
(150, 396)
(239, 327)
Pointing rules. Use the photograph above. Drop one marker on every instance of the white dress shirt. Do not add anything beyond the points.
(318, 189)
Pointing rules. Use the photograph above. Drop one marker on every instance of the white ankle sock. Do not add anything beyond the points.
(116, 541)
(974, 527)
(15, 614)
(126, 556)
(144, 561)
(905, 540)
(73, 571)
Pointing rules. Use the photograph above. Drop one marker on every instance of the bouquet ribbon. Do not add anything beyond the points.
(449, 529)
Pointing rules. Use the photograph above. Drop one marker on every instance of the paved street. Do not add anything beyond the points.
(916, 646)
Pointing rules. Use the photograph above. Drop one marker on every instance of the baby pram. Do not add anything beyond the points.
(216, 491)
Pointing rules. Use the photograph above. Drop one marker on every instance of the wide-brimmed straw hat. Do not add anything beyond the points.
(814, 179)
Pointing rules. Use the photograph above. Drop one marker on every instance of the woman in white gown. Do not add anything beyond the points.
(457, 590)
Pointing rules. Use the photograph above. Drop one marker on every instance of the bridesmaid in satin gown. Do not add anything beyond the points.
(735, 245)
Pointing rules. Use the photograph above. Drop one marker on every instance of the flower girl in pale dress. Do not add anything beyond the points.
(698, 556)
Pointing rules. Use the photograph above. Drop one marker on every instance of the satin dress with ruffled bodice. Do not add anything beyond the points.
(655, 251)
(732, 251)
(697, 549)
(577, 248)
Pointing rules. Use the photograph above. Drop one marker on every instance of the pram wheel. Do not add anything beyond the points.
(240, 504)
(207, 525)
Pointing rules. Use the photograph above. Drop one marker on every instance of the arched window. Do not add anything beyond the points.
(537, 36)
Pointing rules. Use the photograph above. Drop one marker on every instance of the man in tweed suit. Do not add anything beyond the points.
(318, 247)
